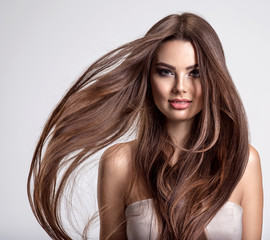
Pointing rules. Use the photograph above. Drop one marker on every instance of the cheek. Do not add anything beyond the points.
(160, 90)
(199, 91)
(199, 94)
(158, 94)
(196, 89)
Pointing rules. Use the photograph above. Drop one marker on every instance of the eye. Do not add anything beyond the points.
(195, 73)
(163, 72)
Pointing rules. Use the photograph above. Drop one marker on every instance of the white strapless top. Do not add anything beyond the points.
(142, 222)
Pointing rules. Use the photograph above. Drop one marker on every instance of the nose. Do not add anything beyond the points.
(180, 84)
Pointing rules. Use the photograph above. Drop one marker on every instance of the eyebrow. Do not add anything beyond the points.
(173, 68)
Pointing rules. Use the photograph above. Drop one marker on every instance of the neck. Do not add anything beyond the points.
(179, 131)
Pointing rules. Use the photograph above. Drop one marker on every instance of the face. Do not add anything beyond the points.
(175, 81)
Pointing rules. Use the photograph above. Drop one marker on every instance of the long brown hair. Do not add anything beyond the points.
(112, 96)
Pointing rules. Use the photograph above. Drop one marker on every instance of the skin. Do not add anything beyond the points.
(180, 80)
(173, 76)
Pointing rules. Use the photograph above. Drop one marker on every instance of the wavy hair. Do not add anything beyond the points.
(113, 95)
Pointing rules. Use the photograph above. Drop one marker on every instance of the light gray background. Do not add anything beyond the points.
(46, 45)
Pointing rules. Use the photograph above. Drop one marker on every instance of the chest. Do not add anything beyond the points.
(142, 222)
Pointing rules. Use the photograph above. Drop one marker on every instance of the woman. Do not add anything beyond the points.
(188, 174)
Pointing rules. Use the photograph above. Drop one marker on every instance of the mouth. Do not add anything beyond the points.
(180, 104)
(182, 100)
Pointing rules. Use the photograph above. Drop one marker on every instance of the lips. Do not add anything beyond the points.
(180, 104)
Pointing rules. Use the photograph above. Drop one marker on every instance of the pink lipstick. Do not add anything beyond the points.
(180, 104)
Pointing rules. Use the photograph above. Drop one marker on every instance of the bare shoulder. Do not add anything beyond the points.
(252, 198)
(115, 168)
(113, 181)
(117, 157)
(254, 158)
(253, 169)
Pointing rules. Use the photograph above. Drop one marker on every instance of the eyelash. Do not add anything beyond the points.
(195, 73)
(163, 72)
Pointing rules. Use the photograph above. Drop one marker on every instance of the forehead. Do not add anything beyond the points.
(176, 52)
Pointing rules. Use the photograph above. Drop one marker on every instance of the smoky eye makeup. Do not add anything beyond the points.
(164, 72)
(195, 73)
